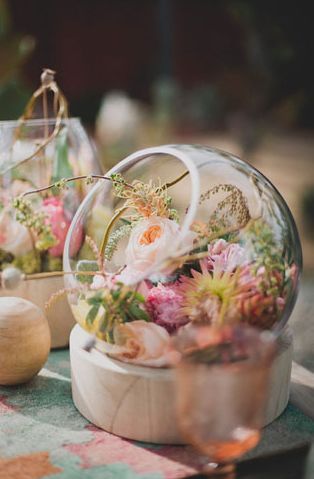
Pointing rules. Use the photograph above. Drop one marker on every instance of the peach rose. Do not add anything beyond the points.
(139, 342)
(152, 240)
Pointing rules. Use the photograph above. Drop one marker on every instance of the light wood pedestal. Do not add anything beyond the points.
(137, 402)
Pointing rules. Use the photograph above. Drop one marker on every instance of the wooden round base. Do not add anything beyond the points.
(137, 402)
(60, 317)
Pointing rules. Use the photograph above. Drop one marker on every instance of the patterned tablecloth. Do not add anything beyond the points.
(42, 434)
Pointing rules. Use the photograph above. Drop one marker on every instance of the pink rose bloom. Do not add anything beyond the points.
(139, 342)
(163, 303)
(223, 256)
(60, 222)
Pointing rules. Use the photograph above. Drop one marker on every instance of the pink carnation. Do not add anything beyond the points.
(164, 303)
(59, 220)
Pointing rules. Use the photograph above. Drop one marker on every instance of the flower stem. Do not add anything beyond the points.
(66, 180)
(172, 183)
(116, 216)
(52, 274)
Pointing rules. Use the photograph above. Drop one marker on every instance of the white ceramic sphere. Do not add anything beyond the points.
(24, 340)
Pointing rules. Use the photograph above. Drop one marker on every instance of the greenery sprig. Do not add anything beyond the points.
(114, 239)
(116, 305)
(147, 199)
(231, 213)
(36, 222)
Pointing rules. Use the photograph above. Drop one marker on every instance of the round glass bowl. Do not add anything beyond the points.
(198, 234)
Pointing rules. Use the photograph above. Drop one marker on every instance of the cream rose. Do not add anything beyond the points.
(152, 240)
(14, 237)
(139, 342)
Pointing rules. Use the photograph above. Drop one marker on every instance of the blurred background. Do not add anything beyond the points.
(237, 75)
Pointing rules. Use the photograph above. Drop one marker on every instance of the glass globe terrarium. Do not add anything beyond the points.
(33, 228)
(179, 234)
(37, 203)
(32, 234)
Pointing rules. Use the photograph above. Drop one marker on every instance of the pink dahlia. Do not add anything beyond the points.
(164, 302)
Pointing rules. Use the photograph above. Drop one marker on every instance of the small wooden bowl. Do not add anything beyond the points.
(60, 317)
(137, 402)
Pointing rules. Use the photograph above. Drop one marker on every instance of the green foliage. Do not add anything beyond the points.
(52, 263)
(62, 168)
(86, 265)
(29, 262)
(36, 222)
(268, 253)
(118, 305)
(147, 199)
(114, 239)
(118, 183)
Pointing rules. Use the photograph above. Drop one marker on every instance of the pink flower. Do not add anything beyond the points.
(217, 297)
(59, 220)
(223, 256)
(151, 241)
(262, 304)
(164, 303)
(139, 342)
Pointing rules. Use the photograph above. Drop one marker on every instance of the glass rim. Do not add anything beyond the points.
(265, 344)
(37, 121)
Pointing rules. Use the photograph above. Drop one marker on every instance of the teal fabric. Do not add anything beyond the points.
(40, 416)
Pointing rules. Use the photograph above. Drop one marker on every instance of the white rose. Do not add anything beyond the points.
(14, 237)
(153, 240)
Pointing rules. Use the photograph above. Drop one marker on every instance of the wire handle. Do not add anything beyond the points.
(48, 84)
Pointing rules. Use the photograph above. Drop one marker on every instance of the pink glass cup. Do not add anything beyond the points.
(222, 385)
